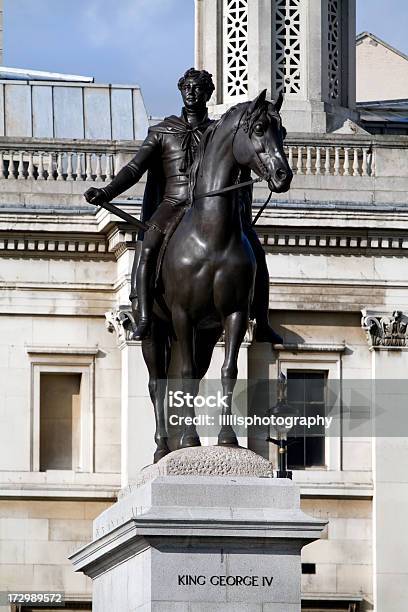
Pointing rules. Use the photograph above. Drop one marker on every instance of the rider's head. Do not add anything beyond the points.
(196, 87)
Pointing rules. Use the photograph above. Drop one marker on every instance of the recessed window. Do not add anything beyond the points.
(60, 417)
(306, 393)
(308, 568)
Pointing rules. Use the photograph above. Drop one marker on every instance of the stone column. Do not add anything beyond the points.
(304, 48)
(388, 342)
(137, 417)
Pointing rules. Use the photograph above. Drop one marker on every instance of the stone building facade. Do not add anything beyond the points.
(336, 246)
(1, 31)
(382, 71)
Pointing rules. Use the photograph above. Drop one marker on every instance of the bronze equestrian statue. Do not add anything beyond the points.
(210, 263)
(167, 155)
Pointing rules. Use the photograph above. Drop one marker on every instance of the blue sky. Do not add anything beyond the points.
(149, 42)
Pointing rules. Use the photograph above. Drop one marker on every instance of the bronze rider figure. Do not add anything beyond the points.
(167, 155)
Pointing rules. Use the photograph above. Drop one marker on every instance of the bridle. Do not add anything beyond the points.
(244, 184)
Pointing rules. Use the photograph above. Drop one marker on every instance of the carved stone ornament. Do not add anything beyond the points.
(386, 331)
(121, 321)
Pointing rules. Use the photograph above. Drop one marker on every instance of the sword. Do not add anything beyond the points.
(124, 215)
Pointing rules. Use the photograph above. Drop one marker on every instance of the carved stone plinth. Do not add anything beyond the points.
(195, 543)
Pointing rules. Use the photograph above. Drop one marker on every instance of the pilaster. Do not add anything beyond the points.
(137, 417)
(387, 335)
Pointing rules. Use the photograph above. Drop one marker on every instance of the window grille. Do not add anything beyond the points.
(235, 50)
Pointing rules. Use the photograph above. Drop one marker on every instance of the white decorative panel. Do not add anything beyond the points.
(288, 48)
(334, 49)
(235, 49)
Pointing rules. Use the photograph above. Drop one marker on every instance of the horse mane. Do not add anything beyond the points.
(248, 124)
(202, 147)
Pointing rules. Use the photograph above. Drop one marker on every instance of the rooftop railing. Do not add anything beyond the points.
(99, 161)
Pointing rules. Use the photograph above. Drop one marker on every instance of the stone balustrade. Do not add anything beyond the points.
(327, 160)
(71, 160)
(60, 163)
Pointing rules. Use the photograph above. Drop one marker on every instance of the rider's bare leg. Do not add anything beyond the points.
(145, 281)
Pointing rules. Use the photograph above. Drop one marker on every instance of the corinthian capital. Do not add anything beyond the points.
(386, 331)
(121, 321)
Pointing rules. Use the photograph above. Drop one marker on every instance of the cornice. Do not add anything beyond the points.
(29, 244)
(324, 239)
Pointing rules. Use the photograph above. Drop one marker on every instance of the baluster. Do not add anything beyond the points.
(98, 167)
(31, 165)
(70, 176)
(78, 170)
(318, 162)
(60, 167)
(2, 172)
(364, 167)
(336, 161)
(20, 174)
(117, 163)
(356, 165)
(371, 162)
(11, 174)
(108, 168)
(346, 171)
(40, 176)
(309, 160)
(50, 168)
(327, 162)
(299, 168)
(290, 160)
(88, 168)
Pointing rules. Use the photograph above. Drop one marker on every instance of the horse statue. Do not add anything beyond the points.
(208, 267)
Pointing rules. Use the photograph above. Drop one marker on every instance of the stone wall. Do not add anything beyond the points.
(382, 72)
(36, 538)
(1, 31)
(343, 556)
(19, 392)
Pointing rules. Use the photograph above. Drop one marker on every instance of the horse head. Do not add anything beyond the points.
(258, 142)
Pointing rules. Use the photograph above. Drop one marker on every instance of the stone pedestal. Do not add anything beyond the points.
(201, 542)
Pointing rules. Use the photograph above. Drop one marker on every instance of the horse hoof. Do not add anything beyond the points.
(188, 441)
(227, 437)
(160, 453)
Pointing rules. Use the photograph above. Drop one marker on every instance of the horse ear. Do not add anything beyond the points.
(257, 102)
(279, 102)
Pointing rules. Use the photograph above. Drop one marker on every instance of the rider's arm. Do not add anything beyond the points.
(130, 174)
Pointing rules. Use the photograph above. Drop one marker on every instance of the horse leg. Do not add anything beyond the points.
(235, 326)
(185, 335)
(205, 341)
(156, 352)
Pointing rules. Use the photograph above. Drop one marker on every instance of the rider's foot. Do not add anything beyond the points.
(142, 330)
(265, 333)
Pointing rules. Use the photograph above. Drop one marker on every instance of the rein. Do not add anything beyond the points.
(238, 186)
(226, 189)
(143, 226)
